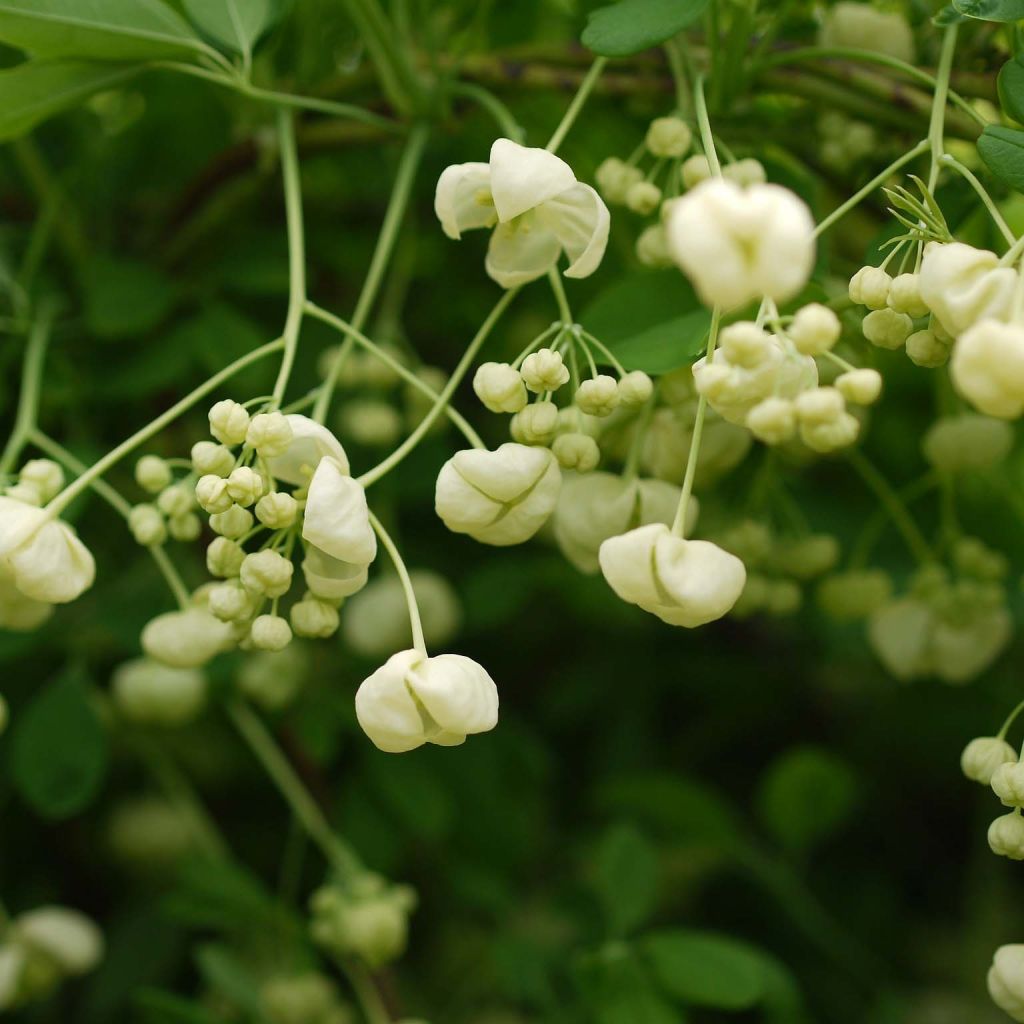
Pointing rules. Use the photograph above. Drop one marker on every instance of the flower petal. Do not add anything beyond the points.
(311, 442)
(332, 578)
(337, 519)
(579, 219)
(523, 177)
(521, 252)
(53, 565)
(462, 200)
(386, 709)
(18, 521)
(458, 694)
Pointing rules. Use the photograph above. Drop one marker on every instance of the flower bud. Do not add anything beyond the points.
(231, 602)
(598, 396)
(745, 172)
(147, 525)
(370, 422)
(1008, 783)
(905, 295)
(819, 405)
(887, 329)
(853, 595)
(269, 433)
(152, 473)
(267, 573)
(43, 474)
(229, 422)
(1006, 980)
(862, 27)
(277, 510)
(244, 485)
(68, 939)
(213, 459)
(635, 388)
(308, 998)
(695, 170)
(544, 370)
(212, 494)
(643, 197)
(185, 639)
(745, 344)
(149, 833)
(806, 557)
(969, 441)
(988, 368)
(224, 557)
(815, 329)
(1006, 836)
(270, 632)
(314, 618)
(772, 421)
(870, 287)
(668, 137)
(186, 527)
(576, 451)
(831, 435)
(155, 694)
(861, 387)
(234, 523)
(500, 387)
(652, 247)
(614, 177)
(26, 493)
(176, 500)
(983, 755)
(272, 678)
(925, 349)
(536, 424)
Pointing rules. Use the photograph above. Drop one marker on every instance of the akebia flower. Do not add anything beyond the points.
(988, 368)
(310, 442)
(41, 554)
(537, 209)
(337, 520)
(185, 639)
(737, 244)
(683, 582)
(414, 699)
(962, 285)
(501, 497)
(1006, 980)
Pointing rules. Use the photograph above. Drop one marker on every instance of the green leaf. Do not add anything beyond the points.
(705, 969)
(236, 24)
(1002, 149)
(650, 322)
(626, 878)
(229, 976)
(38, 89)
(157, 1007)
(630, 26)
(60, 751)
(621, 989)
(124, 298)
(948, 15)
(1011, 89)
(96, 29)
(991, 10)
(805, 795)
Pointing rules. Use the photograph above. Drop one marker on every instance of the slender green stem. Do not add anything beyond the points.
(277, 766)
(405, 177)
(313, 310)
(901, 518)
(937, 122)
(296, 250)
(861, 194)
(588, 83)
(366, 992)
(707, 139)
(1010, 719)
(606, 352)
(560, 297)
(486, 100)
(385, 467)
(31, 383)
(396, 78)
(679, 524)
(62, 500)
(403, 574)
(968, 175)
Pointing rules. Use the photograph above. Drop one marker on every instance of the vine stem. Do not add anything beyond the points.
(937, 122)
(296, 250)
(315, 311)
(31, 380)
(982, 193)
(700, 109)
(679, 523)
(560, 297)
(263, 745)
(66, 496)
(403, 574)
(385, 467)
(408, 165)
(586, 86)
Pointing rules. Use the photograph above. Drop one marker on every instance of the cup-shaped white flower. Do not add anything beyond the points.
(337, 520)
(186, 639)
(501, 497)
(1006, 980)
(537, 209)
(683, 582)
(70, 939)
(413, 699)
(962, 285)
(738, 244)
(42, 554)
(988, 368)
(310, 442)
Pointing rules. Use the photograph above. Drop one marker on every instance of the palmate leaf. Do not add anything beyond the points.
(235, 24)
(630, 26)
(991, 10)
(1002, 149)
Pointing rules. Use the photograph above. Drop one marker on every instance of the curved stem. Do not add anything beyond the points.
(982, 193)
(937, 122)
(31, 381)
(403, 574)
(486, 100)
(560, 297)
(588, 83)
(707, 139)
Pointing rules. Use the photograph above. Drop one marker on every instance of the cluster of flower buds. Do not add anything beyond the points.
(306, 998)
(172, 513)
(845, 141)
(41, 948)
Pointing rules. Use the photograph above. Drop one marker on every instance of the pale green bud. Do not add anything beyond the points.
(614, 177)
(695, 169)
(870, 287)
(854, 595)
(212, 494)
(270, 632)
(186, 527)
(544, 370)
(277, 510)
(861, 387)
(370, 422)
(1006, 836)
(224, 557)
(500, 387)
(668, 137)
(1008, 783)
(983, 755)
(272, 678)
(231, 602)
(269, 433)
(229, 422)
(211, 458)
(652, 247)
(313, 618)
(745, 172)
(536, 424)
(154, 694)
(925, 348)
(905, 295)
(234, 523)
(43, 474)
(635, 388)
(969, 441)
(887, 329)
(576, 451)
(152, 473)
(644, 197)
(176, 500)
(815, 329)
(267, 573)
(147, 525)
(772, 421)
(244, 485)
(598, 396)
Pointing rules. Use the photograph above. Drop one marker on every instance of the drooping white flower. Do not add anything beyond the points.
(1006, 980)
(683, 582)
(70, 939)
(310, 442)
(185, 639)
(501, 497)
(332, 578)
(962, 285)
(537, 209)
(983, 755)
(737, 244)
(337, 520)
(988, 368)
(413, 699)
(42, 554)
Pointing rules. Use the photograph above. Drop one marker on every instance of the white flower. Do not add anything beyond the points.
(1008, 783)
(149, 692)
(1006, 980)
(983, 755)
(683, 582)
(337, 520)
(738, 244)
(311, 442)
(332, 578)
(536, 206)
(962, 285)
(413, 699)
(42, 554)
(596, 506)
(988, 368)
(500, 497)
(185, 639)
(70, 939)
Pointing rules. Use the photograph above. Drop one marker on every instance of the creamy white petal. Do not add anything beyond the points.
(331, 578)
(18, 521)
(386, 709)
(53, 565)
(579, 219)
(457, 692)
(311, 442)
(337, 519)
(462, 200)
(186, 639)
(521, 252)
(523, 177)
(64, 935)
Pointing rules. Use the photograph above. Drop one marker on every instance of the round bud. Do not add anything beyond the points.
(598, 396)
(229, 422)
(853, 595)
(186, 527)
(614, 177)
(969, 441)
(695, 169)
(635, 388)
(234, 523)
(147, 525)
(772, 421)
(224, 558)
(870, 287)
(43, 474)
(1008, 783)
(745, 344)
(643, 197)
(244, 485)
(313, 618)
(273, 679)
(270, 633)
(544, 370)
(156, 694)
(27, 493)
(887, 329)
(926, 349)
(269, 433)
(212, 494)
(211, 458)
(277, 510)
(668, 137)
(652, 247)
(830, 435)
(745, 172)
(267, 573)
(176, 500)
(152, 473)
(819, 405)
(576, 451)
(815, 329)
(1006, 836)
(905, 295)
(861, 387)
(371, 422)
(231, 602)
(536, 424)
(1006, 980)
(500, 387)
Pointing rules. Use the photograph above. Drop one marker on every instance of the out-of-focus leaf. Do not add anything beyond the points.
(96, 29)
(124, 298)
(38, 89)
(948, 15)
(621, 989)
(625, 877)
(991, 10)
(805, 795)
(630, 26)
(226, 974)
(221, 894)
(158, 1007)
(60, 749)
(1002, 149)
(1011, 89)
(236, 24)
